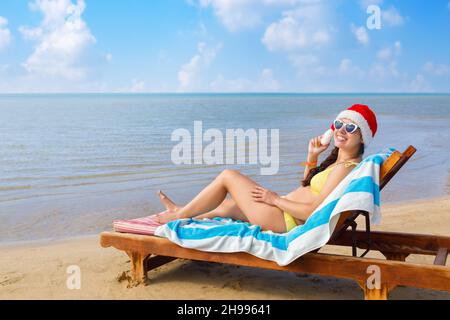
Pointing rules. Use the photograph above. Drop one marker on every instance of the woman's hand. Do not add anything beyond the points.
(315, 147)
(261, 194)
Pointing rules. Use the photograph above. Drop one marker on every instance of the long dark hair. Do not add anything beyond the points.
(326, 163)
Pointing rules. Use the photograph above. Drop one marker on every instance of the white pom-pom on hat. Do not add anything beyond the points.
(326, 137)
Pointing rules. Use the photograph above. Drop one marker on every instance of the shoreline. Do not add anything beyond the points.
(39, 269)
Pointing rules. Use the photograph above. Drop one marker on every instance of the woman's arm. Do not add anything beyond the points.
(302, 210)
(299, 210)
(314, 149)
(312, 158)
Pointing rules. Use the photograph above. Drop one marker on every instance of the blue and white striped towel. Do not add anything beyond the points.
(359, 190)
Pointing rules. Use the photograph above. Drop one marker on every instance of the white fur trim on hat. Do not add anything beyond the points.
(361, 122)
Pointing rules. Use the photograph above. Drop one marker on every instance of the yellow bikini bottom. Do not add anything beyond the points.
(289, 220)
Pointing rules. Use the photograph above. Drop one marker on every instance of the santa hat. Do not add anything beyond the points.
(361, 115)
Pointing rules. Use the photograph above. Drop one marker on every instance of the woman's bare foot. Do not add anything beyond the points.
(171, 212)
(167, 217)
(167, 202)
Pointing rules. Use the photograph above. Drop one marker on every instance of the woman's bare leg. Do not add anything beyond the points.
(240, 187)
(208, 199)
(227, 209)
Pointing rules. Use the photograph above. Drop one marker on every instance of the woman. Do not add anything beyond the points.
(353, 129)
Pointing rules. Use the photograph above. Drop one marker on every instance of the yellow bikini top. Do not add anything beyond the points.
(318, 181)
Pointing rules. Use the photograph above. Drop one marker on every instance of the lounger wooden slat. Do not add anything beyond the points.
(396, 242)
(441, 257)
(147, 252)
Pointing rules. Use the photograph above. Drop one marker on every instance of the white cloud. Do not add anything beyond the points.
(30, 33)
(384, 75)
(221, 84)
(437, 70)
(361, 34)
(188, 75)
(384, 54)
(304, 27)
(392, 17)
(386, 65)
(389, 53)
(5, 34)
(398, 47)
(313, 76)
(235, 15)
(265, 82)
(243, 14)
(304, 60)
(62, 38)
(137, 86)
(420, 84)
(346, 67)
(109, 57)
(307, 65)
(366, 3)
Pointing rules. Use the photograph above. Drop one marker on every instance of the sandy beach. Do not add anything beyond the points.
(39, 270)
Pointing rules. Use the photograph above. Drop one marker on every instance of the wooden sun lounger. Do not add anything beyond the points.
(149, 252)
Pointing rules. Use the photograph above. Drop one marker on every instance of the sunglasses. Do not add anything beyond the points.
(349, 127)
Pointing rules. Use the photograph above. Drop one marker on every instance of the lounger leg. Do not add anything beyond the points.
(395, 256)
(138, 266)
(376, 294)
(157, 261)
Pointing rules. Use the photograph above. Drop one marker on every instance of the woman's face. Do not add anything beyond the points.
(343, 139)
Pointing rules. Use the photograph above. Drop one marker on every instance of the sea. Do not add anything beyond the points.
(72, 163)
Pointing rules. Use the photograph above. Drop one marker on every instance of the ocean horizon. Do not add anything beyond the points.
(193, 93)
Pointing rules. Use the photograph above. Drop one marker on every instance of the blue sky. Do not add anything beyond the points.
(223, 46)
